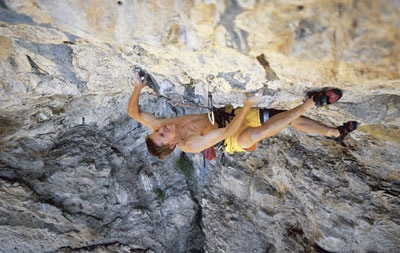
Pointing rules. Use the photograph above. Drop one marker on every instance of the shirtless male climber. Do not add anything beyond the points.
(247, 126)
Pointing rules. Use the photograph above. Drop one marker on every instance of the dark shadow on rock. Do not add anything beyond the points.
(12, 17)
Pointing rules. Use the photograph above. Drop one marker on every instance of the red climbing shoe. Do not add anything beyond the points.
(345, 129)
(327, 97)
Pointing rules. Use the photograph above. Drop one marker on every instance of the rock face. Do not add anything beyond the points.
(74, 172)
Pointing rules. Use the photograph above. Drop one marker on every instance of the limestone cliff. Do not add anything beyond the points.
(74, 172)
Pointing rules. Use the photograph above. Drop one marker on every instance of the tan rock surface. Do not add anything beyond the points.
(74, 174)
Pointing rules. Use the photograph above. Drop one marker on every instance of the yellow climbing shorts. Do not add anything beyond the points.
(252, 120)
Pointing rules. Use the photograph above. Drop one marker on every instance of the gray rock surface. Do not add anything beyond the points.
(74, 172)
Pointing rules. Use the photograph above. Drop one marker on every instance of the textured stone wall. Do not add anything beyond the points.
(74, 172)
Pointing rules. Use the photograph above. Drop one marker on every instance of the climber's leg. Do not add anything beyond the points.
(278, 122)
(274, 125)
(308, 125)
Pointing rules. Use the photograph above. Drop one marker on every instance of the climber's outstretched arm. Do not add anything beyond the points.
(145, 118)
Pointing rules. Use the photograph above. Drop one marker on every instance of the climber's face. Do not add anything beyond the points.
(164, 135)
